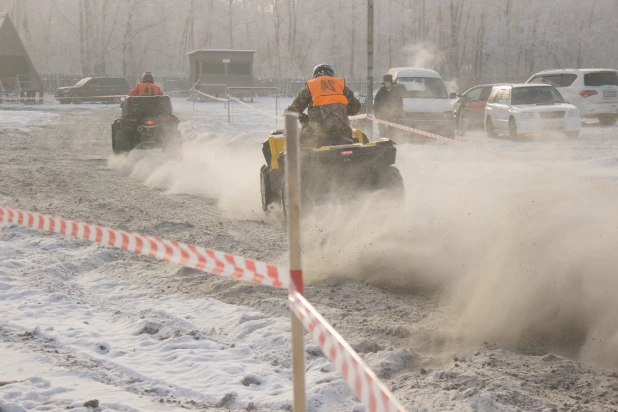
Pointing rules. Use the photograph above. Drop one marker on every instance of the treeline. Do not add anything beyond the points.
(463, 39)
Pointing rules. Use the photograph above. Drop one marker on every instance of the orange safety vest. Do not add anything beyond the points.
(146, 89)
(327, 90)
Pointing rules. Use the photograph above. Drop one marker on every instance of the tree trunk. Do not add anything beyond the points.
(82, 38)
(231, 23)
(353, 42)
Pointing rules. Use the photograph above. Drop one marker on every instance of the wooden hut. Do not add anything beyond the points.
(17, 73)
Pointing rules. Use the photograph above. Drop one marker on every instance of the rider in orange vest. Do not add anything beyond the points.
(146, 87)
(329, 103)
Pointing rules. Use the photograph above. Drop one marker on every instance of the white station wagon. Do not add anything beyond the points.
(593, 91)
(519, 109)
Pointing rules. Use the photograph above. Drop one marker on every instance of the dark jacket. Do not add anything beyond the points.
(388, 104)
(330, 120)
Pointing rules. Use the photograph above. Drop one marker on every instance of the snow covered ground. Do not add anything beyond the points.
(78, 324)
(22, 119)
(496, 292)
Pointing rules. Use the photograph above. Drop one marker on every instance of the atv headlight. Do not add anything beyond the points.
(573, 113)
(447, 115)
(527, 115)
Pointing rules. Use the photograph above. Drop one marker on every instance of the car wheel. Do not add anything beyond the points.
(463, 121)
(512, 128)
(608, 119)
(77, 99)
(491, 132)
(572, 135)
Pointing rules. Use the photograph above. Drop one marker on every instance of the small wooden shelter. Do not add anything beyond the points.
(17, 73)
(233, 68)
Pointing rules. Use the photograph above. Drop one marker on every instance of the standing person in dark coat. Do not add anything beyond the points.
(388, 105)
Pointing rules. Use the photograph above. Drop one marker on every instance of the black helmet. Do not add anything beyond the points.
(323, 70)
(147, 77)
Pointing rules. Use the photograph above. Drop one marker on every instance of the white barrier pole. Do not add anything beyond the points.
(227, 95)
(292, 172)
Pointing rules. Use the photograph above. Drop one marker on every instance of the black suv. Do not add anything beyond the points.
(94, 89)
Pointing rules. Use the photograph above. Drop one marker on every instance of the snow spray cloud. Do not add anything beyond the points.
(514, 255)
(222, 166)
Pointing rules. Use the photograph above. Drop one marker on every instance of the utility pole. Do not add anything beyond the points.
(369, 102)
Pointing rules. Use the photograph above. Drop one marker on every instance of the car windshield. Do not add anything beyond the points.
(422, 87)
(536, 95)
(83, 81)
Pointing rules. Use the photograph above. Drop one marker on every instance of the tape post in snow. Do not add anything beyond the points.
(364, 383)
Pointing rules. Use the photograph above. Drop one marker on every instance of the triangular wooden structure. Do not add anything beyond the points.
(17, 73)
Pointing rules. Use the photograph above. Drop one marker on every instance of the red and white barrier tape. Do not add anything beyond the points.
(272, 116)
(59, 98)
(209, 96)
(206, 260)
(592, 182)
(358, 117)
(364, 383)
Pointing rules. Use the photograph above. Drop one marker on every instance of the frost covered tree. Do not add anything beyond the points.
(467, 40)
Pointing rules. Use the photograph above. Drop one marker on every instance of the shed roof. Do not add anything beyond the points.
(221, 51)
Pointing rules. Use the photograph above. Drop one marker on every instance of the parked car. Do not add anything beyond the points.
(520, 109)
(469, 108)
(593, 91)
(94, 89)
(426, 102)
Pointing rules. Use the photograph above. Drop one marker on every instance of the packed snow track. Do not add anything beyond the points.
(494, 290)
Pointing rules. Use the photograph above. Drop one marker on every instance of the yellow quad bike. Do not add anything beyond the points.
(341, 170)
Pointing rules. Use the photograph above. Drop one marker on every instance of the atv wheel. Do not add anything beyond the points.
(283, 201)
(174, 143)
(118, 143)
(390, 179)
(265, 188)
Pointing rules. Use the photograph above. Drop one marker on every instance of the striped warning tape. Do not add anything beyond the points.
(70, 98)
(364, 383)
(209, 96)
(206, 260)
(272, 116)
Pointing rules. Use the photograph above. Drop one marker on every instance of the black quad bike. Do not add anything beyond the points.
(342, 169)
(147, 122)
